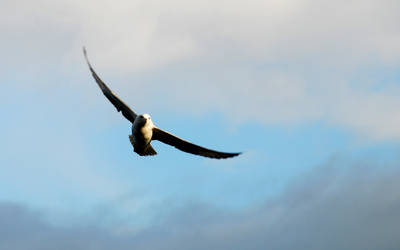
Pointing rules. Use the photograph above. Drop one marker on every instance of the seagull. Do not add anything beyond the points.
(144, 131)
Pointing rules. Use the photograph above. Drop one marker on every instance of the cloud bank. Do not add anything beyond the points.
(331, 208)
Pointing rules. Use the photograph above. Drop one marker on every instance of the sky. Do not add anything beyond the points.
(308, 90)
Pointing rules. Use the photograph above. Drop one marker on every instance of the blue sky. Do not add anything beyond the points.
(308, 90)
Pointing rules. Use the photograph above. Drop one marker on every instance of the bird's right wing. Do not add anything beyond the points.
(188, 147)
(113, 98)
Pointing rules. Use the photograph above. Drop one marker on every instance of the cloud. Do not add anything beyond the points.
(279, 62)
(141, 35)
(333, 207)
(330, 209)
(24, 229)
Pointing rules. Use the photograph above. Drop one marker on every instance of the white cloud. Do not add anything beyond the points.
(272, 61)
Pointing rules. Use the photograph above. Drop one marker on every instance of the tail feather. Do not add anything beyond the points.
(149, 150)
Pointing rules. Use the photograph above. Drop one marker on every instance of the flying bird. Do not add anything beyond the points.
(144, 130)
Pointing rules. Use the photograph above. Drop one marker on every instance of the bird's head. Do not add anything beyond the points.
(144, 118)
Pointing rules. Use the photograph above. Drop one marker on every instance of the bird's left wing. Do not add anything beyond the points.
(188, 147)
(113, 98)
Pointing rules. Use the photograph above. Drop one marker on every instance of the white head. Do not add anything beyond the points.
(143, 119)
(146, 116)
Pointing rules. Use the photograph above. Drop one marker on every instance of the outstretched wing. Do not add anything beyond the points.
(113, 98)
(188, 147)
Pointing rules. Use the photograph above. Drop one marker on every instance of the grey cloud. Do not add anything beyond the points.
(329, 210)
(332, 207)
(22, 229)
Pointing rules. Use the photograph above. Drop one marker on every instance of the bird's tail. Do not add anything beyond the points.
(149, 150)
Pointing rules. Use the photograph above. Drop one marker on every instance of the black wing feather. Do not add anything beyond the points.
(113, 98)
(188, 147)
